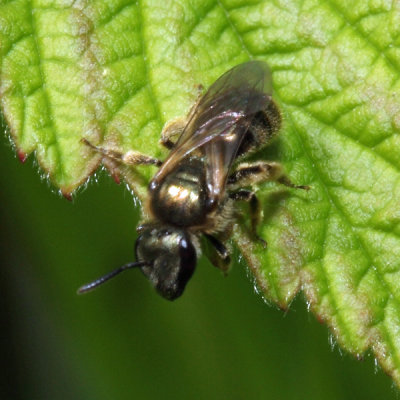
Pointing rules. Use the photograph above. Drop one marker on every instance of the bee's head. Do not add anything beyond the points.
(169, 258)
(165, 255)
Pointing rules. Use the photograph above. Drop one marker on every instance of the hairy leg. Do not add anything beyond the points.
(176, 126)
(255, 209)
(132, 157)
(219, 256)
(247, 174)
(173, 128)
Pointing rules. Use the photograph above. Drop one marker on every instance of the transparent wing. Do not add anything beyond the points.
(219, 122)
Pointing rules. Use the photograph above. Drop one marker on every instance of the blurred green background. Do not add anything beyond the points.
(123, 341)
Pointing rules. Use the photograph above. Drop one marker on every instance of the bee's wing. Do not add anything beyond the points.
(229, 97)
(220, 120)
(220, 154)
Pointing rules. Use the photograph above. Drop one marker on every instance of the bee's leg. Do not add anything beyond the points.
(219, 247)
(223, 259)
(255, 209)
(260, 171)
(173, 128)
(132, 157)
(176, 126)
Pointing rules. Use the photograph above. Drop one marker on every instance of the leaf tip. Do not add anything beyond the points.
(116, 178)
(67, 195)
(359, 357)
(283, 307)
(22, 156)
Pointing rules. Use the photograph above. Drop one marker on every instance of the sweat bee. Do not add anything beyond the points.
(195, 189)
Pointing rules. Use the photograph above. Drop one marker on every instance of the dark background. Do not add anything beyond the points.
(123, 341)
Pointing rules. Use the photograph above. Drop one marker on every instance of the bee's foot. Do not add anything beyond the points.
(304, 187)
(262, 241)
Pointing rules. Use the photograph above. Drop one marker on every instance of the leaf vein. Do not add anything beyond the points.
(234, 29)
(193, 26)
(59, 164)
(340, 13)
(356, 142)
(114, 14)
(333, 202)
(149, 86)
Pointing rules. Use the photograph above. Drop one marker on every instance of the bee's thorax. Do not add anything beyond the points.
(181, 197)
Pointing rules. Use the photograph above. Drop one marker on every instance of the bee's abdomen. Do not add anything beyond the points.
(181, 198)
(264, 126)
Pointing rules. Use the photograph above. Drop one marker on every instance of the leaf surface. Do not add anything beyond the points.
(115, 72)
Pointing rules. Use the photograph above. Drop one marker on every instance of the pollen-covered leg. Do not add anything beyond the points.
(132, 157)
(255, 210)
(247, 174)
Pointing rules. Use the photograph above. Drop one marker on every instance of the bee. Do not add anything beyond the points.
(196, 187)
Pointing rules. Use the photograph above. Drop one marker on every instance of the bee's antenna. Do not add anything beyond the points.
(93, 285)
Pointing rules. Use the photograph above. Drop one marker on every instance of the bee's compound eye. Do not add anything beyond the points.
(171, 259)
(188, 260)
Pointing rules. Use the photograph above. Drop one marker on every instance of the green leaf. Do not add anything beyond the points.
(116, 71)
